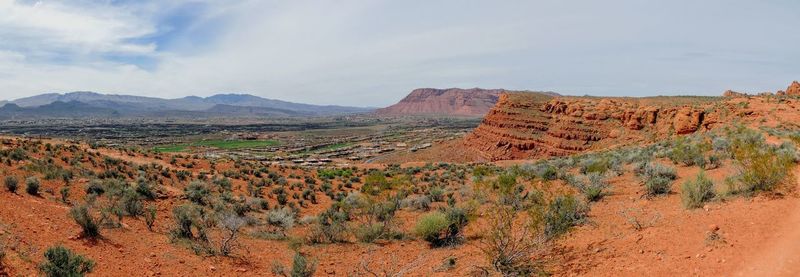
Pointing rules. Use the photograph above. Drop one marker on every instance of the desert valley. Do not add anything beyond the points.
(445, 182)
(399, 138)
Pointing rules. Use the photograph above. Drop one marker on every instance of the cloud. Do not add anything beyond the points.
(374, 52)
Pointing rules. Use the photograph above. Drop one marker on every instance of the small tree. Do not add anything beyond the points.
(60, 262)
(231, 225)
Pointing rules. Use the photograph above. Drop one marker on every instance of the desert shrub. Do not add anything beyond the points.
(547, 172)
(184, 216)
(442, 228)
(90, 225)
(64, 191)
(685, 151)
(417, 202)
(509, 246)
(374, 183)
(144, 189)
(696, 192)
(761, 167)
(436, 194)
(301, 267)
(652, 170)
(131, 204)
(150, 217)
(657, 186)
(593, 185)
(714, 161)
(330, 227)
(11, 184)
(95, 187)
(431, 226)
(281, 220)
(720, 144)
(658, 179)
(231, 226)
(595, 165)
(32, 185)
(369, 232)
(60, 262)
(197, 192)
(562, 213)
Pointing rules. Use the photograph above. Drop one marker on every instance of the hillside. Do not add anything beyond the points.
(447, 102)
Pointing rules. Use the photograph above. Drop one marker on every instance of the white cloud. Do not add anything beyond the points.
(46, 27)
(374, 52)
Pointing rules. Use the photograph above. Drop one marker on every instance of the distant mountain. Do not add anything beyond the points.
(58, 109)
(221, 105)
(447, 102)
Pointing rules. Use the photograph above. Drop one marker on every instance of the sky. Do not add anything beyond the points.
(374, 52)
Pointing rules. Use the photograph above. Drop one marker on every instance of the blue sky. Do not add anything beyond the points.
(373, 52)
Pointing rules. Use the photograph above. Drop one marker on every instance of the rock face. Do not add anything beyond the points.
(793, 89)
(524, 125)
(448, 102)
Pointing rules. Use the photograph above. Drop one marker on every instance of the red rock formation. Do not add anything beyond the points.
(524, 125)
(793, 89)
(731, 93)
(453, 102)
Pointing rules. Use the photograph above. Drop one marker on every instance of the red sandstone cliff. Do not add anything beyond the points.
(524, 125)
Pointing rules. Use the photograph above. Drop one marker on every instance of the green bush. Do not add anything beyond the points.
(197, 192)
(32, 185)
(302, 267)
(658, 185)
(330, 227)
(432, 226)
(595, 165)
(761, 167)
(62, 262)
(95, 187)
(687, 152)
(369, 232)
(593, 185)
(442, 228)
(562, 213)
(89, 224)
(184, 216)
(696, 192)
(11, 184)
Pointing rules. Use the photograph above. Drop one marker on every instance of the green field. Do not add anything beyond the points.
(221, 144)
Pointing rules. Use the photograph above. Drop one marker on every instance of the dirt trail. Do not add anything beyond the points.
(781, 256)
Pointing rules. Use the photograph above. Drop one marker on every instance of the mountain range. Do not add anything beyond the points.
(90, 104)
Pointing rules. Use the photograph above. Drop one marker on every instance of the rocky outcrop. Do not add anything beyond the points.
(793, 89)
(448, 102)
(524, 126)
(731, 93)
